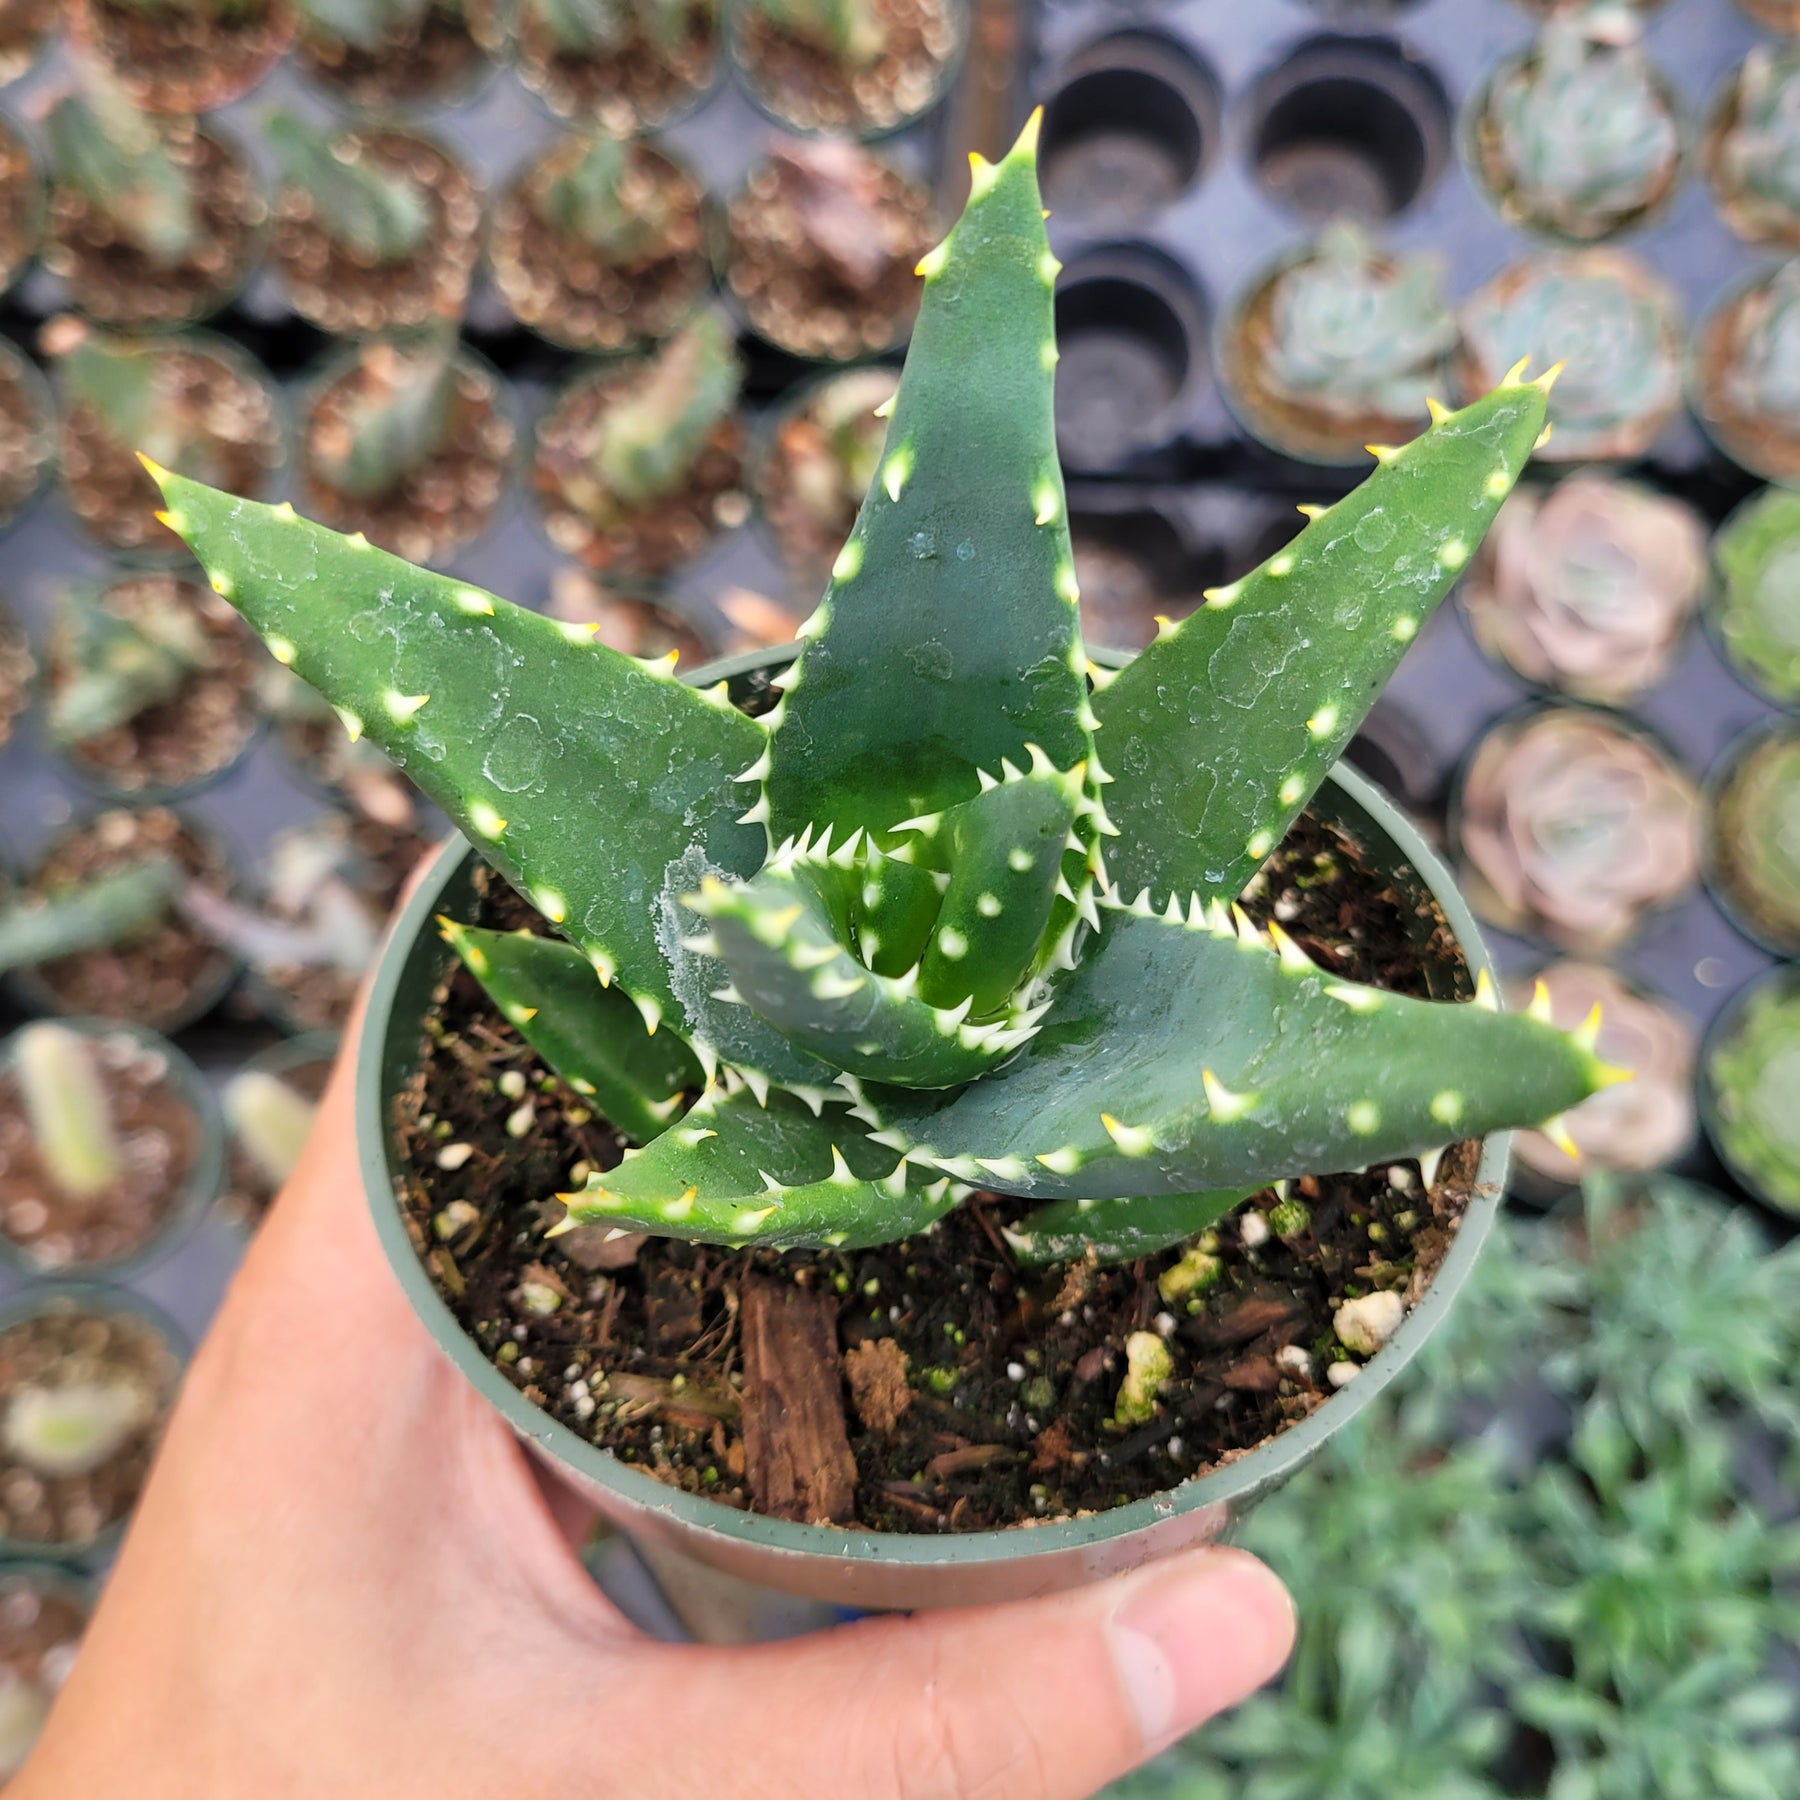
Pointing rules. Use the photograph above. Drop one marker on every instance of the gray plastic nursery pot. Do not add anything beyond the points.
(862, 1568)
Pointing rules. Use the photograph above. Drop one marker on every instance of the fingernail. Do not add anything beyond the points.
(1196, 1635)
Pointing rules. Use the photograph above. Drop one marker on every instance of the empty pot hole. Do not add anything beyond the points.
(1122, 142)
(1354, 133)
(1126, 356)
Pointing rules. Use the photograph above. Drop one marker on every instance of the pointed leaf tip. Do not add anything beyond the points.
(1026, 144)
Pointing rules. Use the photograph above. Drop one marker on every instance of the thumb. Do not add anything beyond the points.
(1033, 1701)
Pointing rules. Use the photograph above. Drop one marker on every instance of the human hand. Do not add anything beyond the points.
(347, 1578)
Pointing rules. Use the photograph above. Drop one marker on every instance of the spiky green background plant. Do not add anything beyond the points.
(907, 932)
(854, 31)
(118, 159)
(379, 215)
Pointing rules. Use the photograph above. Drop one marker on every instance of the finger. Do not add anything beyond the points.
(1039, 1700)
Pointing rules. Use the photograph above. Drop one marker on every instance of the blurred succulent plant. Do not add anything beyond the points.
(1752, 149)
(1753, 838)
(27, 432)
(74, 1427)
(379, 215)
(119, 159)
(1587, 587)
(68, 1109)
(647, 440)
(1341, 342)
(1615, 324)
(17, 667)
(1572, 826)
(821, 457)
(119, 665)
(1777, 15)
(317, 913)
(603, 198)
(400, 416)
(1757, 611)
(1765, 374)
(579, 26)
(93, 915)
(270, 1121)
(1746, 374)
(365, 24)
(1643, 1124)
(1580, 136)
(853, 32)
(1753, 1074)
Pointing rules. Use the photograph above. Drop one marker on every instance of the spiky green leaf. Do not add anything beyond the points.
(601, 787)
(1220, 732)
(777, 1176)
(1182, 1056)
(948, 637)
(593, 1037)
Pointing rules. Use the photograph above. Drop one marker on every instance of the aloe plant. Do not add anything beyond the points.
(853, 32)
(94, 915)
(270, 1122)
(588, 200)
(1579, 136)
(379, 215)
(908, 932)
(581, 27)
(401, 414)
(118, 158)
(119, 665)
(69, 1110)
(647, 440)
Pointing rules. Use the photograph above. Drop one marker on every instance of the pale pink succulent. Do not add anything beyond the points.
(1588, 587)
(1573, 825)
(1639, 1124)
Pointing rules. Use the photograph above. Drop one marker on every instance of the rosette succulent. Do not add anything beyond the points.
(1587, 587)
(1620, 330)
(1757, 610)
(1746, 374)
(958, 909)
(1753, 838)
(1573, 826)
(1753, 1074)
(1342, 341)
(1752, 150)
(1580, 136)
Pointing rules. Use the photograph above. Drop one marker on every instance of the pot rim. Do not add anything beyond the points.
(1271, 1461)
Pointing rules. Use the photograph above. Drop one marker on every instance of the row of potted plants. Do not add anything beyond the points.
(1343, 340)
(1581, 137)
(864, 67)
(598, 243)
(635, 466)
